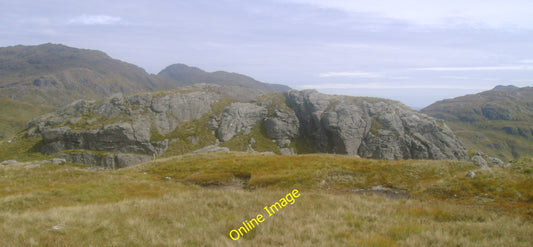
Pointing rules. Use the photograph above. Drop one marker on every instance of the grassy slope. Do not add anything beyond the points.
(15, 114)
(473, 119)
(490, 138)
(161, 203)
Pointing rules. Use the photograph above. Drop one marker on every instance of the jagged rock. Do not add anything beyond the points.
(495, 161)
(111, 161)
(471, 174)
(212, 149)
(252, 141)
(239, 117)
(479, 161)
(371, 128)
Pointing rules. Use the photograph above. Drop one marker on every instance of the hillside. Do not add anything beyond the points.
(38, 79)
(196, 200)
(183, 75)
(497, 121)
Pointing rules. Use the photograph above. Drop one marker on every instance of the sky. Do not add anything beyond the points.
(413, 51)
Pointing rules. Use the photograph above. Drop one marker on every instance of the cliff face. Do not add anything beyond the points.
(371, 128)
(164, 123)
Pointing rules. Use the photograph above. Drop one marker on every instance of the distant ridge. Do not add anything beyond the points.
(183, 75)
(496, 121)
(49, 76)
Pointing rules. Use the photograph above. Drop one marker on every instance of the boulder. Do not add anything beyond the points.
(11, 162)
(495, 161)
(58, 161)
(479, 161)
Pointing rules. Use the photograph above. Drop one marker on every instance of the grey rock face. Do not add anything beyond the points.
(171, 109)
(283, 125)
(371, 128)
(479, 161)
(239, 117)
(117, 137)
(132, 120)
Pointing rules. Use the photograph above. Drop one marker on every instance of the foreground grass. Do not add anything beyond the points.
(196, 200)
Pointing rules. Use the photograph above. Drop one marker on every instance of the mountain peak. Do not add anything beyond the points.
(502, 87)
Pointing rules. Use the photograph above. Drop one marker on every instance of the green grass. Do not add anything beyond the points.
(15, 114)
(21, 148)
(193, 200)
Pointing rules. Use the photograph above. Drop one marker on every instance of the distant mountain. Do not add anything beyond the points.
(183, 75)
(498, 121)
(39, 71)
(42, 78)
(38, 79)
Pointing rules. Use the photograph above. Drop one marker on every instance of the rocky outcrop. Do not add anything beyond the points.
(239, 117)
(119, 124)
(126, 130)
(117, 137)
(371, 128)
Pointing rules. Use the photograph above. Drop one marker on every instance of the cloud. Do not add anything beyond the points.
(480, 68)
(526, 61)
(95, 20)
(350, 74)
(389, 86)
(448, 13)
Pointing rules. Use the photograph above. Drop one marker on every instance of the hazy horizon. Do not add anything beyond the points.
(412, 51)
